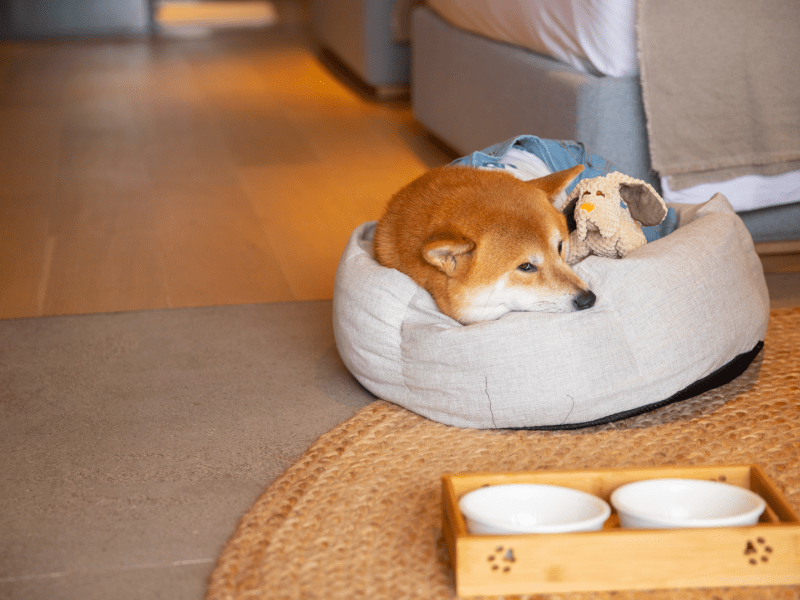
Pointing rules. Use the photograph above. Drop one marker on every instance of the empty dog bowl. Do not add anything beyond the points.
(673, 503)
(532, 508)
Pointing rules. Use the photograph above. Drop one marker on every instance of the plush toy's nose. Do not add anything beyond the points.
(587, 206)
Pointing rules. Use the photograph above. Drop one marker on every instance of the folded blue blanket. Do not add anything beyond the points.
(557, 155)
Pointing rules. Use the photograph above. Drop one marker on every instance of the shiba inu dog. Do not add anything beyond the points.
(483, 243)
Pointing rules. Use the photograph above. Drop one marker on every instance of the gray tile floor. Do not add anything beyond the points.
(133, 442)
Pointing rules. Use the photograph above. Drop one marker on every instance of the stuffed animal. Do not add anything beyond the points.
(607, 214)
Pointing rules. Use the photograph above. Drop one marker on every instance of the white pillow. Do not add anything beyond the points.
(674, 317)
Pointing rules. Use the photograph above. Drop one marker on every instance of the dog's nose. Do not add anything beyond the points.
(584, 300)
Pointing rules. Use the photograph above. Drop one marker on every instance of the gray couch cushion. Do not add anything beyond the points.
(671, 314)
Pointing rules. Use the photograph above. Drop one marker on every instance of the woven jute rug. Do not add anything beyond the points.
(359, 515)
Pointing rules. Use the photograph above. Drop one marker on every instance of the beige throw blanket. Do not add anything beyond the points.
(721, 87)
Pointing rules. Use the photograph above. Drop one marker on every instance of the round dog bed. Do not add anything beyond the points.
(675, 318)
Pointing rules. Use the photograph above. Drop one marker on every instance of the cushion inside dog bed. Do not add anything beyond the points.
(675, 318)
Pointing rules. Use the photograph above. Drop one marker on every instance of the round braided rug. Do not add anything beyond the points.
(359, 515)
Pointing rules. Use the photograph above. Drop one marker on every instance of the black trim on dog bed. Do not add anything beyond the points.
(725, 374)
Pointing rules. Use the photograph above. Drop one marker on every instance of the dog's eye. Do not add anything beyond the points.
(527, 267)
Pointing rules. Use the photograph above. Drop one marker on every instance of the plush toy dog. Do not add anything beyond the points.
(607, 213)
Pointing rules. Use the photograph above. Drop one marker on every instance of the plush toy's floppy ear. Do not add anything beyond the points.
(644, 203)
(447, 252)
(556, 182)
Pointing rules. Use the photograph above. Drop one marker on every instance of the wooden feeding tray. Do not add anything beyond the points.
(614, 558)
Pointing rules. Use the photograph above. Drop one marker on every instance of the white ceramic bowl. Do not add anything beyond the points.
(674, 503)
(532, 508)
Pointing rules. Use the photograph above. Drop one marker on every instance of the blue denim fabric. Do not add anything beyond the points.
(667, 226)
(559, 155)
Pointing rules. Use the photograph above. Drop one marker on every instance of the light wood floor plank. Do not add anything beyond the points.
(104, 273)
(29, 149)
(170, 173)
(24, 248)
(307, 215)
(214, 250)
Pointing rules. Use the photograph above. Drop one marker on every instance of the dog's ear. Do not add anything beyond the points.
(447, 252)
(556, 182)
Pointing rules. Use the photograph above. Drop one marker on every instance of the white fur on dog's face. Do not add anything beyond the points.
(494, 302)
(552, 287)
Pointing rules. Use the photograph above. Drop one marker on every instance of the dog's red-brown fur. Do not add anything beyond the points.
(482, 242)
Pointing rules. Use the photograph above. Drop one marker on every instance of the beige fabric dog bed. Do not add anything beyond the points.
(674, 318)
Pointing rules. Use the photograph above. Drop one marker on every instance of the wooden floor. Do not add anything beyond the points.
(187, 172)
(178, 172)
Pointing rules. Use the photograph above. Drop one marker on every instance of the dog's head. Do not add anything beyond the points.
(494, 244)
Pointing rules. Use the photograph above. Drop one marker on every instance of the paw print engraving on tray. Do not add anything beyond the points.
(757, 552)
(501, 559)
